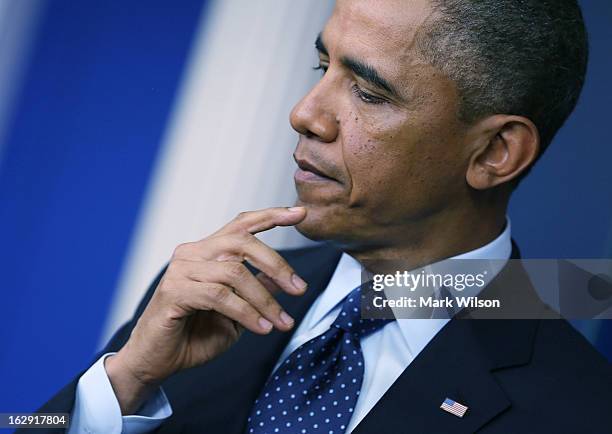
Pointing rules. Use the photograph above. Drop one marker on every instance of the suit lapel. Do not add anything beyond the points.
(452, 365)
(459, 363)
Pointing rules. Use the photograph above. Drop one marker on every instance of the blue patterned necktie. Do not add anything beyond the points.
(314, 391)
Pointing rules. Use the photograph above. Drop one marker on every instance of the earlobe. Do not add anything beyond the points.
(510, 144)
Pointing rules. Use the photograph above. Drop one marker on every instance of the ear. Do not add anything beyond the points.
(504, 146)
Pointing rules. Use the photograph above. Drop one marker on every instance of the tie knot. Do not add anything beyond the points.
(350, 320)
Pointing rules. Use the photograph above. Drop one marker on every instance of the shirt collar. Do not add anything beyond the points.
(347, 277)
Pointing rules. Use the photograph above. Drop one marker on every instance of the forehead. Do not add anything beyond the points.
(378, 29)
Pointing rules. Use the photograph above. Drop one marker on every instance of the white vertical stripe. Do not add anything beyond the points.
(229, 143)
(18, 20)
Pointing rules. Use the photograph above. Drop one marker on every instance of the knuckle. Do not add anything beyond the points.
(234, 240)
(183, 249)
(234, 247)
(236, 271)
(175, 267)
(168, 287)
(217, 293)
(268, 303)
(281, 265)
(242, 216)
(246, 311)
(243, 238)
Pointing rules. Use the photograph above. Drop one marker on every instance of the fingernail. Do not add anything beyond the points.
(298, 282)
(265, 324)
(284, 316)
(295, 209)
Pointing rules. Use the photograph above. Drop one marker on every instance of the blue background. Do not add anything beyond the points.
(95, 102)
(563, 209)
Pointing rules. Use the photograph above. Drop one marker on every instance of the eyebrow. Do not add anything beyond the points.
(361, 69)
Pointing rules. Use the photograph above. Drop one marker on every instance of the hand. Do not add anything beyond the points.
(205, 299)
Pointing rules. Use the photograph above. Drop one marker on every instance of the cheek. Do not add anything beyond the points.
(394, 159)
(371, 160)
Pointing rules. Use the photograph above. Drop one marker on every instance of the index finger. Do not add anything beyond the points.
(264, 219)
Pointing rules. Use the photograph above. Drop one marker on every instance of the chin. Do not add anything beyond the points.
(314, 232)
(314, 227)
(318, 223)
(325, 224)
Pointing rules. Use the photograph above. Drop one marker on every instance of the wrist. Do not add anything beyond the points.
(125, 365)
(131, 389)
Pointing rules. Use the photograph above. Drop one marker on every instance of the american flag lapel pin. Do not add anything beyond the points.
(453, 407)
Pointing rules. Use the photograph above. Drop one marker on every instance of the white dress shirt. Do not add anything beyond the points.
(386, 352)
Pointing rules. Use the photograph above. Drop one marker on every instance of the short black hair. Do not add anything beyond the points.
(520, 57)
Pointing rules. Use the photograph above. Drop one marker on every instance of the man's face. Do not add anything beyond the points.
(381, 126)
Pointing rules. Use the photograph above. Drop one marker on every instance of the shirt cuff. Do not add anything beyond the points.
(96, 409)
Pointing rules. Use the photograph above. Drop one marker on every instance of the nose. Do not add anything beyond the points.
(315, 116)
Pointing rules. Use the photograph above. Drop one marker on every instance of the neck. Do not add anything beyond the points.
(423, 243)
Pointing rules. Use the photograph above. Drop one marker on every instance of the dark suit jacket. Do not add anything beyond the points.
(516, 376)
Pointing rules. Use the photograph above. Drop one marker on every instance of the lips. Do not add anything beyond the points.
(307, 166)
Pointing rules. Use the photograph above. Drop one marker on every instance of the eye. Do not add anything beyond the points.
(367, 97)
(321, 67)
